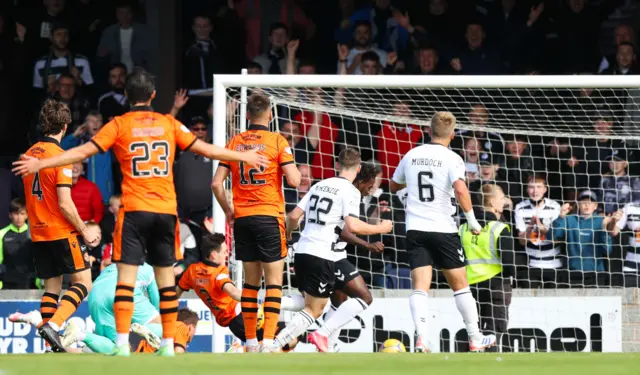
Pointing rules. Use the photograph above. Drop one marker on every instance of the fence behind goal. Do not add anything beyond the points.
(573, 133)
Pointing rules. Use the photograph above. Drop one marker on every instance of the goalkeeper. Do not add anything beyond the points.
(146, 300)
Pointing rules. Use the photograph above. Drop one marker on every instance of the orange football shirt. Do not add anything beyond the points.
(258, 191)
(46, 221)
(207, 280)
(181, 339)
(144, 143)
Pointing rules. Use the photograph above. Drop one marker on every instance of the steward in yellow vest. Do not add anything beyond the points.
(490, 262)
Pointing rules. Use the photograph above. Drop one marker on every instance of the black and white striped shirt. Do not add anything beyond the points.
(54, 66)
(541, 251)
(631, 222)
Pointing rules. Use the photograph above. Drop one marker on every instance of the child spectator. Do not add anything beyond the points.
(16, 258)
(587, 240)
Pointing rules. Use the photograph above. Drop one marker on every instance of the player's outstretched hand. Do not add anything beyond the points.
(26, 165)
(91, 235)
(255, 159)
(386, 226)
(376, 247)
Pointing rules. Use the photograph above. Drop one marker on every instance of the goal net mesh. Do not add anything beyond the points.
(544, 147)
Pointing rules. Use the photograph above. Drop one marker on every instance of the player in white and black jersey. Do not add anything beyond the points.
(435, 177)
(532, 217)
(629, 224)
(328, 207)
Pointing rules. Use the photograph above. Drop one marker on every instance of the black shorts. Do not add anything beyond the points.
(60, 257)
(429, 248)
(236, 326)
(345, 272)
(142, 236)
(316, 276)
(260, 239)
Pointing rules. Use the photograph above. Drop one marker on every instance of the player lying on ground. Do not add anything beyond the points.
(257, 216)
(100, 301)
(210, 280)
(435, 178)
(143, 142)
(58, 233)
(328, 207)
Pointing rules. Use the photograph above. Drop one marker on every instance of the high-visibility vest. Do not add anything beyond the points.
(481, 251)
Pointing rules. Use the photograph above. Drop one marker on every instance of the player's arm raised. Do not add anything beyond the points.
(214, 152)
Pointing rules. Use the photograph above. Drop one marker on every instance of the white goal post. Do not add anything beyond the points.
(359, 99)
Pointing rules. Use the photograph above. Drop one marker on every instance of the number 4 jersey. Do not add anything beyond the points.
(429, 172)
(258, 191)
(144, 143)
(46, 221)
(325, 207)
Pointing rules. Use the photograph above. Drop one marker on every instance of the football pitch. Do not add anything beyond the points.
(325, 364)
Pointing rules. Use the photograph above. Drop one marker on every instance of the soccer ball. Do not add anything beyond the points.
(260, 321)
(392, 346)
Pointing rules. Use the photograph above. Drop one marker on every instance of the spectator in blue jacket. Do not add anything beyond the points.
(99, 168)
(588, 241)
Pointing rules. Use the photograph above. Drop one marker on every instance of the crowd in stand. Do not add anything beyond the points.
(574, 203)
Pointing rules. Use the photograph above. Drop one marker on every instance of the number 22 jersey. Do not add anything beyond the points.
(144, 143)
(325, 207)
(429, 172)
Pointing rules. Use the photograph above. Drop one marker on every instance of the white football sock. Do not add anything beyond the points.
(419, 304)
(122, 339)
(294, 302)
(466, 304)
(54, 326)
(297, 326)
(333, 337)
(166, 343)
(343, 315)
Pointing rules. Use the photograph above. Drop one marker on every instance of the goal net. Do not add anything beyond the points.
(563, 149)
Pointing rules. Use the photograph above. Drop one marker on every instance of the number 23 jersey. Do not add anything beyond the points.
(429, 172)
(258, 191)
(325, 207)
(144, 143)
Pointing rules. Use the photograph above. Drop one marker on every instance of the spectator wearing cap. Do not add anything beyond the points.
(617, 187)
(193, 175)
(625, 61)
(588, 239)
(488, 167)
(59, 60)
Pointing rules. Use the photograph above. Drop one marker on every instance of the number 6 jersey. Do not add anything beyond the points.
(429, 172)
(325, 207)
(144, 143)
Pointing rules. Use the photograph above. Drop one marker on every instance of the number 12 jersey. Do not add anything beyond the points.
(325, 207)
(429, 172)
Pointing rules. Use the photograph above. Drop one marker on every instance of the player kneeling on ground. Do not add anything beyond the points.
(210, 280)
(328, 207)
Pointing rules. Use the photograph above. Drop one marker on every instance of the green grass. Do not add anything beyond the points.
(326, 364)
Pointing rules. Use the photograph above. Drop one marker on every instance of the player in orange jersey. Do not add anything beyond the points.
(258, 215)
(210, 280)
(144, 143)
(58, 233)
(185, 330)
